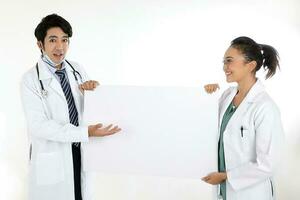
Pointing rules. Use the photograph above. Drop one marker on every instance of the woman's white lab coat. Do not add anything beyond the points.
(251, 153)
(51, 134)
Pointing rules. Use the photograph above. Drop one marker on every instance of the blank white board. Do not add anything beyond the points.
(166, 131)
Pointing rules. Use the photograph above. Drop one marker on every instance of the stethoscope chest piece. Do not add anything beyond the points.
(44, 93)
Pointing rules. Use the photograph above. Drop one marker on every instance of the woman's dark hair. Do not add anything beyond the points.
(52, 21)
(264, 55)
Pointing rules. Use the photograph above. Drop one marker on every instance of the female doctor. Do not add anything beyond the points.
(52, 95)
(249, 125)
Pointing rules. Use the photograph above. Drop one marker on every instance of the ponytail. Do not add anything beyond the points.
(271, 60)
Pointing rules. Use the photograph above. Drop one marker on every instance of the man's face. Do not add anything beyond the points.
(56, 44)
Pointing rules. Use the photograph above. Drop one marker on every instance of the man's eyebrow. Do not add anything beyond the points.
(54, 36)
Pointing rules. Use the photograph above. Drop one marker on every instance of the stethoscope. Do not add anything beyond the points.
(45, 92)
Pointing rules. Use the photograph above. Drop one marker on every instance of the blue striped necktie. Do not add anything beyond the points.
(65, 85)
(73, 115)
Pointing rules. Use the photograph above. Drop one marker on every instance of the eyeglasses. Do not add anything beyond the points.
(229, 60)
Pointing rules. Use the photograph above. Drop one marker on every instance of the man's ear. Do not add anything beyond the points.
(40, 45)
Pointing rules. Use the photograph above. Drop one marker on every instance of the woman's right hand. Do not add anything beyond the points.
(210, 88)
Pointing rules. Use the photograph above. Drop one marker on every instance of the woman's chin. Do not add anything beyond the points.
(229, 80)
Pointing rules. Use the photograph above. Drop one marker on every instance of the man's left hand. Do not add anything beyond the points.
(88, 85)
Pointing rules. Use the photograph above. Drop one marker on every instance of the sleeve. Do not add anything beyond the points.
(40, 124)
(269, 135)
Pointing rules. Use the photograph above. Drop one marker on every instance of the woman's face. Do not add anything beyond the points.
(236, 67)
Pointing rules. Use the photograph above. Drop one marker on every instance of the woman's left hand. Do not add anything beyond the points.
(88, 85)
(215, 178)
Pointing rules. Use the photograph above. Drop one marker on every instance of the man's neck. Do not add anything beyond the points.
(58, 67)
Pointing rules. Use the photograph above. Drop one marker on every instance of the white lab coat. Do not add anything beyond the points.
(251, 156)
(51, 134)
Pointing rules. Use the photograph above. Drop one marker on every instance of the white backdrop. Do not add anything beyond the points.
(148, 42)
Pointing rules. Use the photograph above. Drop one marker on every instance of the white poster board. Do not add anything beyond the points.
(166, 131)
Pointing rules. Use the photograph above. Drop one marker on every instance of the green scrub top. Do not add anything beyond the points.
(221, 157)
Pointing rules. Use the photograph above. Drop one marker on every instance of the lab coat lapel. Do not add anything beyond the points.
(256, 89)
(49, 80)
(225, 103)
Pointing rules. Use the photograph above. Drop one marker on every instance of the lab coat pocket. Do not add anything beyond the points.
(245, 139)
(49, 168)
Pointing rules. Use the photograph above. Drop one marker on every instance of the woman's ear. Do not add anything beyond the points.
(252, 65)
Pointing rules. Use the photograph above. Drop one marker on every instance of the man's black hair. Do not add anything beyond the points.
(51, 21)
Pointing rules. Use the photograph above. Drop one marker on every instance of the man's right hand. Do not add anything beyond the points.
(99, 131)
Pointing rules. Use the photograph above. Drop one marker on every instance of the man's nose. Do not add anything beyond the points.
(59, 45)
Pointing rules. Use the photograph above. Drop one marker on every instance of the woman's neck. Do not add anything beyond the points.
(244, 87)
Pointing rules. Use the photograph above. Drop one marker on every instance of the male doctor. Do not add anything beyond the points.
(52, 94)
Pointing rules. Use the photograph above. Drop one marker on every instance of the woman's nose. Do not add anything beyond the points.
(224, 67)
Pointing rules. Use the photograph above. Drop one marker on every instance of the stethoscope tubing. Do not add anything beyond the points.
(43, 91)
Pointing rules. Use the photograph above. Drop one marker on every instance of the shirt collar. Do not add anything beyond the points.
(52, 68)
